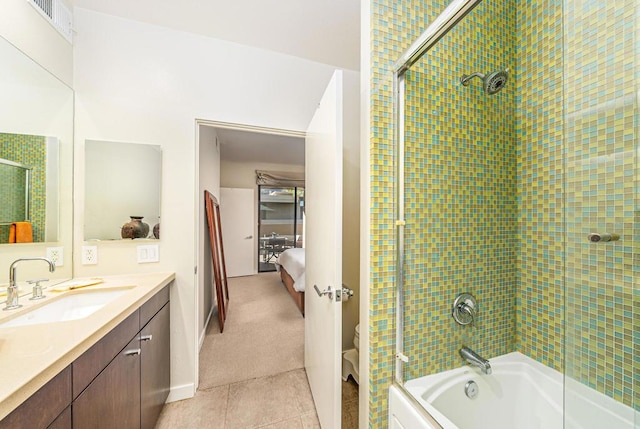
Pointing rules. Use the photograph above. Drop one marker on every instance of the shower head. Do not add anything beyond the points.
(493, 82)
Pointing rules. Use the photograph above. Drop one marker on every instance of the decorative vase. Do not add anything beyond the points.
(135, 228)
(156, 230)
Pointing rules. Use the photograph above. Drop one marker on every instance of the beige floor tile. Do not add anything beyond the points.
(303, 392)
(288, 424)
(262, 401)
(205, 410)
(310, 421)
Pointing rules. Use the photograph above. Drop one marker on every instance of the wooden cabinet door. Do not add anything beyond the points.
(155, 367)
(112, 400)
(42, 408)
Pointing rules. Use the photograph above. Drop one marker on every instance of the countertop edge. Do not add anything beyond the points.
(23, 392)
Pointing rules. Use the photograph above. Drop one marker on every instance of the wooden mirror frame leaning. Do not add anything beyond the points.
(217, 254)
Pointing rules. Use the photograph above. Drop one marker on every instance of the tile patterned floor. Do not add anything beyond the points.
(278, 401)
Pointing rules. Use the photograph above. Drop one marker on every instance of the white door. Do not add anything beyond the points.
(237, 215)
(323, 255)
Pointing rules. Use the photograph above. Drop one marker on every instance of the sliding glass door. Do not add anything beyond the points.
(280, 223)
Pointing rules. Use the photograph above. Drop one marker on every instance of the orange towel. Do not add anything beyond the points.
(20, 232)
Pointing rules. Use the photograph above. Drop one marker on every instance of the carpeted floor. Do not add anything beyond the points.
(263, 334)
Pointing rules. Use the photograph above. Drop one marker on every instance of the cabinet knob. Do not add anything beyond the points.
(132, 352)
(146, 337)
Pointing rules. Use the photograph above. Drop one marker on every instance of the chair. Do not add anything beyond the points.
(275, 246)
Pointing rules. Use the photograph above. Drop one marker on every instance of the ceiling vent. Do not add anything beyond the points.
(58, 15)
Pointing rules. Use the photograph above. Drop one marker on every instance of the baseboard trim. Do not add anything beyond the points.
(204, 330)
(178, 393)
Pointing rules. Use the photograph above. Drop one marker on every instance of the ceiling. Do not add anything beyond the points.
(247, 146)
(326, 31)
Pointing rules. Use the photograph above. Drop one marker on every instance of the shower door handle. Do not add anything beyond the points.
(597, 237)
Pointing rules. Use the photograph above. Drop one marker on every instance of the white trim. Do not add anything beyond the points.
(252, 128)
(197, 270)
(204, 331)
(178, 393)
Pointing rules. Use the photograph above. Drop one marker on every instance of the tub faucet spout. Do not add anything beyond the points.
(475, 359)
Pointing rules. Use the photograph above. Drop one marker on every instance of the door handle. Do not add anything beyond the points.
(328, 292)
(146, 337)
(132, 352)
(248, 237)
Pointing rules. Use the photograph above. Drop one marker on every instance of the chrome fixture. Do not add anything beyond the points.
(471, 389)
(328, 292)
(597, 237)
(465, 308)
(37, 289)
(474, 359)
(12, 289)
(493, 82)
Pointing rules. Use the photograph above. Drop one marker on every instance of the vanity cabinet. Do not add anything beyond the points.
(112, 400)
(122, 381)
(154, 367)
(133, 387)
(43, 408)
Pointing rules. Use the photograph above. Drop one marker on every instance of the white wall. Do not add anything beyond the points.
(146, 84)
(25, 28)
(209, 179)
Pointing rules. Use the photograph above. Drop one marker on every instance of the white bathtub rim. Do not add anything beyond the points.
(510, 363)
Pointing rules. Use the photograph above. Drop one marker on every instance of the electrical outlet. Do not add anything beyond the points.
(55, 255)
(89, 255)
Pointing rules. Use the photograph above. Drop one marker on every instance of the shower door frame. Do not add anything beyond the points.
(445, 22)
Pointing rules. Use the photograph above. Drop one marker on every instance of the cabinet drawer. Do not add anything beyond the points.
(44, 406)
(94, 360)
(151, 307)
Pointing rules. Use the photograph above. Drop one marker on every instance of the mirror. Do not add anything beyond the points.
(36, 166)
(122, 190)
(28, 188)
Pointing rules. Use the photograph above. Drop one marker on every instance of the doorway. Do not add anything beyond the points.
(280, 224)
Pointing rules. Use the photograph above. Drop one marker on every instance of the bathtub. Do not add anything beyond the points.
(520, 393)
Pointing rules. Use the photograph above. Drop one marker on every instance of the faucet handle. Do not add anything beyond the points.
(37, 289)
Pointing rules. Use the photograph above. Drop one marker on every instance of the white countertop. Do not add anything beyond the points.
(32, 355)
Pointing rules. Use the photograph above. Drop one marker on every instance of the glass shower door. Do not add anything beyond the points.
(602, 347)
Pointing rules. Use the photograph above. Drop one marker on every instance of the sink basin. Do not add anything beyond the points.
(68, 307)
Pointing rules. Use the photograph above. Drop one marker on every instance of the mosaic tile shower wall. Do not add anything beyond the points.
(540, 331)
(577, 65)
(394, 26)
(32, 151)
(600, 64)
(460, 194)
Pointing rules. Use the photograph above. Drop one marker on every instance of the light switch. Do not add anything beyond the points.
(148, 253)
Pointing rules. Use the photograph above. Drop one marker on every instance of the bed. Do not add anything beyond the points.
(291, 267)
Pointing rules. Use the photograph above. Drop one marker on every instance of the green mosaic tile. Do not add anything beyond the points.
(31, 151)
(569, 168)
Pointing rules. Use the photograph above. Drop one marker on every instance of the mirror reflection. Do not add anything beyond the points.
(28, 188)
(36, 174)
(122, 190)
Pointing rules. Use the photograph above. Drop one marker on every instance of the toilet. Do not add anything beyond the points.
(356, 338)
(350, 359)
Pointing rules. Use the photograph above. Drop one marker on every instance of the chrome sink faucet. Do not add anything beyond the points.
(475, 359)
(12, 289)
